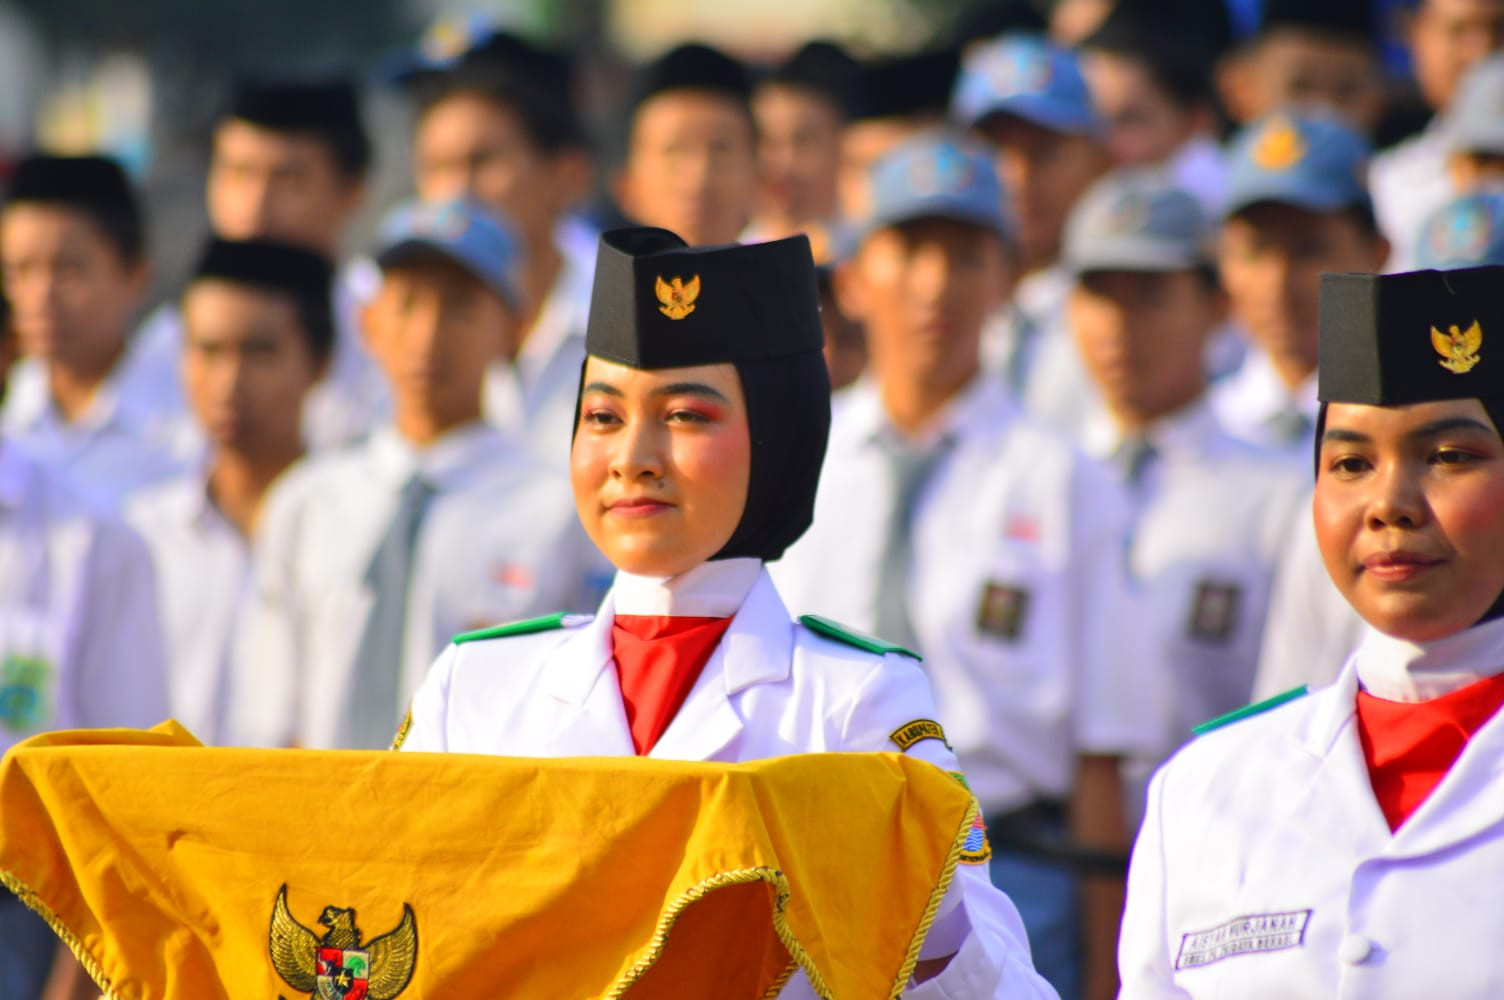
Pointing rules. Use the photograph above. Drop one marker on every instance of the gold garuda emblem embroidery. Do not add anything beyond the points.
(1458, 348)
(676, 298)
(338, 965)
(1279, 147)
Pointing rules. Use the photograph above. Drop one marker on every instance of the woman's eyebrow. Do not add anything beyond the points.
(603, 387)
(1351, 437)
(691, 389)
(1446, 424)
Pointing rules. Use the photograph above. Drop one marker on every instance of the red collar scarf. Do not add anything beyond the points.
(658, 660)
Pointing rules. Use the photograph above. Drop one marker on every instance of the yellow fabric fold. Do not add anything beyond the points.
(176, 870)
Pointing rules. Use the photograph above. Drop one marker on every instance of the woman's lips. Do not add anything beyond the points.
(638, 507)
(1398, 566)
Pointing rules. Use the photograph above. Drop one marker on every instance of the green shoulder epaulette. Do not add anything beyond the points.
(545, 624)
(1247, 711)
(851, 637)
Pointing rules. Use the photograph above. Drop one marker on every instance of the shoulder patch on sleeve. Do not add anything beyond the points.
(910, 733)
(1248, 711)
(547, 623)
(851, 637)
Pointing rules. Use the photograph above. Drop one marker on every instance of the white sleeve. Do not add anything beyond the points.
(265, 659)
(426, 729)
(122, 666)
(975, 923)
(1121, 703)
(1143, 962)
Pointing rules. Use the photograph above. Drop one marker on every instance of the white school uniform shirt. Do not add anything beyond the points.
(135, 432)
(1016, 589)
(1408, 183)
(499, 541)
(1255, 406)
(1311, 629)
(349, 401)
(533, 396)
(203, 566)
(771, 688)
(80, 644)
(1266, 868)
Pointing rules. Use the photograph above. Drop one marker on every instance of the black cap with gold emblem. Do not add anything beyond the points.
(659, 303)
(1396, 339)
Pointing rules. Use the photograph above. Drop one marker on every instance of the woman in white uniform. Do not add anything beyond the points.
(703, 412)
(1350, 843)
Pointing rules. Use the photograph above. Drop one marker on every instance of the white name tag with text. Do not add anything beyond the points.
(1243, 936)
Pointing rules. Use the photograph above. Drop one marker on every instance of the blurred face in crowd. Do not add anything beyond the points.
(1142, 335)
(434, 328)
(1146, 124)
(799, 154)
(1409, 512)
(247, 364)
(863, 143)
(1271, 258)
(661, 463)
(285, 186)
(71, 290)
(1045, 172)
(1294, 68)
(691, 166)
(1446, 38)
(467, 144)
(922, 291)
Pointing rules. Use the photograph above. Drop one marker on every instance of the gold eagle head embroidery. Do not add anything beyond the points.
(1279, 146)
(338, 966)
(1458, 348)
(677, 298)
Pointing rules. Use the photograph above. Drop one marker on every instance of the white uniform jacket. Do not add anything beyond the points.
(499, 542)
(771, 688)
(1266, 869)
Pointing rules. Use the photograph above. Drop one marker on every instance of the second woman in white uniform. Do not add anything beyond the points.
(703, 415)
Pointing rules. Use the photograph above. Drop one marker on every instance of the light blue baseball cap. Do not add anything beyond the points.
(1475, 122)
(935, 176)
(1466, 232)
(1310, 159)
(1026, 76)
(1136, 220)
(464, 231)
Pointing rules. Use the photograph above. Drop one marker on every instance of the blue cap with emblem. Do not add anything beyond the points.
(934, 176)
(1135, 220)
(1028, 77)
(1466, 232)
(462, 231)
(1312, 160)
(1475, 121)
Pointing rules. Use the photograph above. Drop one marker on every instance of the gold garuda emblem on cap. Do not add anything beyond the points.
(1458, 348)
(338, 966)
(1279, 147)
(676, 298)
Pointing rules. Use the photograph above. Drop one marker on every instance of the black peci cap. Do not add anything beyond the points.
(326, 108)
(659, 303)
(825, 68)
(1419, 337)
(302, 275)
(908, 85)
(1351, 19)
(692, 67)
(93, 185)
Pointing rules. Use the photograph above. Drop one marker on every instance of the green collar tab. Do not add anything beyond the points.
(851, 637)
(547, 623)
(1248, 711)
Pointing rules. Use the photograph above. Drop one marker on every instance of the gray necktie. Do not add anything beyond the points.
(1132, 458)
(910, 468)
(374, 708)
(1290, 427)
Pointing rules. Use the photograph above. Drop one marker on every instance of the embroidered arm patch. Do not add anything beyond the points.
(910, 733)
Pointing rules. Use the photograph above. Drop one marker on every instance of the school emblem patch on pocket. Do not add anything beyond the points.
(1214, 611)
(1002, 611)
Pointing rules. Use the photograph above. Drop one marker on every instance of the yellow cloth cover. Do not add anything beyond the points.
(175, 870)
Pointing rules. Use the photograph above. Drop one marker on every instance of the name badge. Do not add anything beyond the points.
(1214, 611)
(1243, 936)
(1002, 610)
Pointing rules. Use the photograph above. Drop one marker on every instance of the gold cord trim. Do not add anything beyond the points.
(947, 873)
(702, 889)
(402, 731)
(25, 895)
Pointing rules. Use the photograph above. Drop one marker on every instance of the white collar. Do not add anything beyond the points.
(714, 589)
(981, 406)
(447, 462)
(1400, 670)
(561, 315)
(1191, 431)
